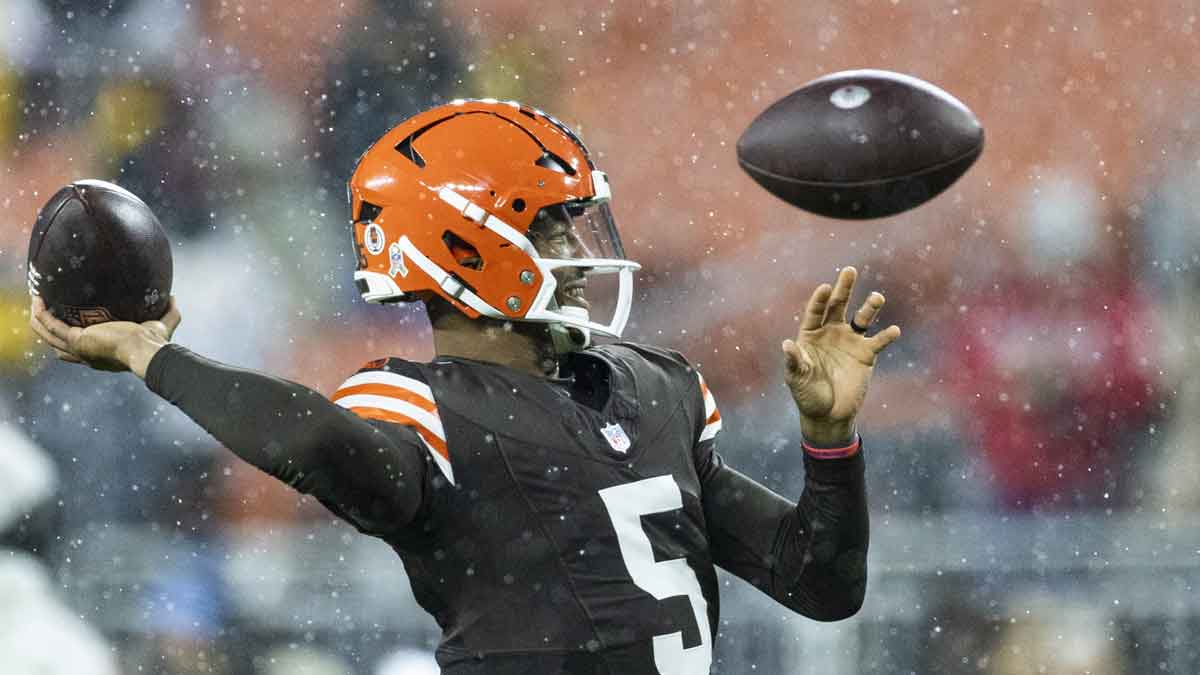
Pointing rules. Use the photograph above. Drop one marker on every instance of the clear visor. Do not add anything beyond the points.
(576, 230)
(580, 249)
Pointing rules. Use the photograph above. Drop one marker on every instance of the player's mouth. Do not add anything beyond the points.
(571, 293)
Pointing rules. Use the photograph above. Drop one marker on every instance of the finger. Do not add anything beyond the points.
(798, 362)
(46, 336)
(172, 318)
(814, 313)
(56, 327)
(67, 356)
(869, 311)
(841, 295)
(883, 338)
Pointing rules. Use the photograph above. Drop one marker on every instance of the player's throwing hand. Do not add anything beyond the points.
(112, 345)
(829, 363)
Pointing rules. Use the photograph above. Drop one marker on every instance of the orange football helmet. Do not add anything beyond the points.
(444, 203)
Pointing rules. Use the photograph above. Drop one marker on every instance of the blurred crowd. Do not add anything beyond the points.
(1050, 301)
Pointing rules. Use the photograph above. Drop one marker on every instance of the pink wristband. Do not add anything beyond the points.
(833, 453)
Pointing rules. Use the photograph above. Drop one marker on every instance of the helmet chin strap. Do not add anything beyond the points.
(568, 339)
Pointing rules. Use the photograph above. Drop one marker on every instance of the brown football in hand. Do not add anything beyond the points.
(97, 253)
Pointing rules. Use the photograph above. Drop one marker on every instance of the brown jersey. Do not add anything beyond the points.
(566, 525)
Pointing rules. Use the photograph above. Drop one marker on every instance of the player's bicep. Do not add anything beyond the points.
(298, 436)
(742, 516)
(743, 519)
(371, 474)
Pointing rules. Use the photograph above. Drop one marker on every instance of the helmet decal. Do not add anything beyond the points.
(396, 256)
(373, 238)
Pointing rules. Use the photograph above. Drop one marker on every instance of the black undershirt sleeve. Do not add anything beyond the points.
(810, 556)
(370, 474)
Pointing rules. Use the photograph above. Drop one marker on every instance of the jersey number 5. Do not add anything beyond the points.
(626, 505)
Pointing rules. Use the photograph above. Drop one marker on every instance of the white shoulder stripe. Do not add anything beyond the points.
(442, 462)
(710, 403)
(394, 379)
(710, 431)
(427, 419)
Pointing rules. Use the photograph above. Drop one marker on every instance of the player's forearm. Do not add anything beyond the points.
(808, 556)
(822, 549)
(254, 415)
(294, 434)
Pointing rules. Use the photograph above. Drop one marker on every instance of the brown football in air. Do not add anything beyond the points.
(861, 144)
(98, 253)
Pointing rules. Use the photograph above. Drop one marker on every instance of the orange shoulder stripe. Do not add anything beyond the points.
(397, 418)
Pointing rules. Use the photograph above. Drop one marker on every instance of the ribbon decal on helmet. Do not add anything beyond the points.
(396, 258)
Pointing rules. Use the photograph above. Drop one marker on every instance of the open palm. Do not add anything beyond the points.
(829, 363)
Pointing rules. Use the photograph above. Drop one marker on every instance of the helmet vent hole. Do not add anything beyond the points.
(518, 205)
(551, 161)
(405, 147)
(368, 212)
(464, 253)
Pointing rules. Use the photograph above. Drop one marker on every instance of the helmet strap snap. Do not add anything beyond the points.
(568, 339)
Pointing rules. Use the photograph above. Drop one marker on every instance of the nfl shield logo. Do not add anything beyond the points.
(616, 437)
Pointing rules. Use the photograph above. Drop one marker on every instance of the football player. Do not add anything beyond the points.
(559, 503)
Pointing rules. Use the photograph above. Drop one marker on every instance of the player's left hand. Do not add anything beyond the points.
(829, 363)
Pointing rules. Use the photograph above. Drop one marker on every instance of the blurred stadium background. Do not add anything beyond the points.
(1033, 468)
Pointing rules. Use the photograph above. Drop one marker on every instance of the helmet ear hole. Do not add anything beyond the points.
(464, 253)
(518, 205)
